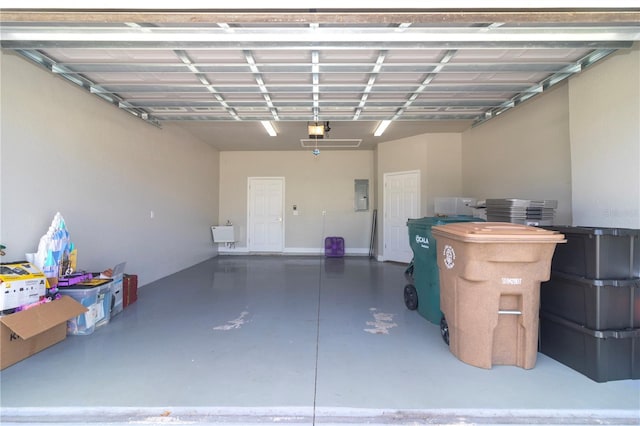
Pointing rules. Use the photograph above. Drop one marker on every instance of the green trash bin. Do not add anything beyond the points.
(422, 291)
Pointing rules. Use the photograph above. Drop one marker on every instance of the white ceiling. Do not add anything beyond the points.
(218, 75)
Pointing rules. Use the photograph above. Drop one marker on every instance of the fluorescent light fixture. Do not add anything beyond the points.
(269, 128)
(381, 127)
(316, 130)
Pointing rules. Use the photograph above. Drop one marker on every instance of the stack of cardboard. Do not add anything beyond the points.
(524, 212)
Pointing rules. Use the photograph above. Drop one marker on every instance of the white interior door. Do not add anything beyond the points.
(265, 215)
(401, 202)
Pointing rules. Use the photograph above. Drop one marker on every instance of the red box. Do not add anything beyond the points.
(129, 289)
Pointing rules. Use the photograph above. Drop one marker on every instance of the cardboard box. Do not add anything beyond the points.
(27, 332)
(129, 289)
(21, 284)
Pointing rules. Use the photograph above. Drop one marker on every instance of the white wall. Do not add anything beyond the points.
(105, 171)
(313, 184)
(605, 142)
(579, 143)
(523, 153)
(435, 155)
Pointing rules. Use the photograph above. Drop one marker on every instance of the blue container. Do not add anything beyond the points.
(84, 323)
(95, 298)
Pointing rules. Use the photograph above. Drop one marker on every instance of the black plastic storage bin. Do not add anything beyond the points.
(595, 304)
(600, 355)
(598, 253)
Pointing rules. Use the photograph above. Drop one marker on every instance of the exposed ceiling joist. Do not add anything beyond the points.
(346, 66)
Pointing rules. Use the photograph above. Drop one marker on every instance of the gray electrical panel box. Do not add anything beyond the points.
(361, 195)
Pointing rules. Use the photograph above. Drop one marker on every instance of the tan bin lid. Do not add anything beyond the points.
(496, 232)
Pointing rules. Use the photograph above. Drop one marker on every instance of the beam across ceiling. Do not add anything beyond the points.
(286, 38)
(324, 16)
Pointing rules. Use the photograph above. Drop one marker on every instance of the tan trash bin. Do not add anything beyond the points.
(490, 274)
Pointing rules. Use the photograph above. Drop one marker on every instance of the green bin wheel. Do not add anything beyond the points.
(444, 330)
(410, 297)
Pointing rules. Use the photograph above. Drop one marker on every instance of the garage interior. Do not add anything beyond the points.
(145, 128)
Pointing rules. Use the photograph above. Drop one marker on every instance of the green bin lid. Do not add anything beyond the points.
(441, 220)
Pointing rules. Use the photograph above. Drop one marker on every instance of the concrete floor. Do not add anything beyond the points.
(291, 340)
